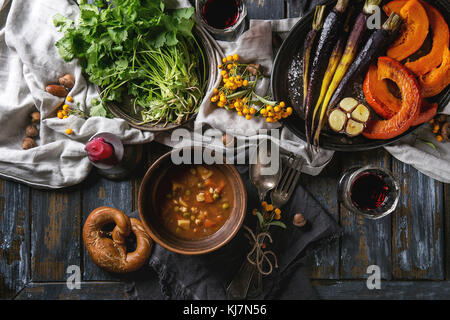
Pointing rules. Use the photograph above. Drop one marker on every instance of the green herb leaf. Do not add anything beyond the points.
(260, 218)
(277, 223)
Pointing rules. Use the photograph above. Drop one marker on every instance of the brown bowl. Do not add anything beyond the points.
(147, 200)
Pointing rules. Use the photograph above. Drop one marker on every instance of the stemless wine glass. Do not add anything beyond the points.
(370, 191)
(228, 23)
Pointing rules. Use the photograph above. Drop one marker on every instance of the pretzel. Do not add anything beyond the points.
(111, 253)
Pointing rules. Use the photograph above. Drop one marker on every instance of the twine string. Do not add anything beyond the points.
(258, 256)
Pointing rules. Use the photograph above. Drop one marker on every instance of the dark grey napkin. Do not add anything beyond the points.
(173, 276)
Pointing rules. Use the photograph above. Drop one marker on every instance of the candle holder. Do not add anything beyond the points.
(124, 160)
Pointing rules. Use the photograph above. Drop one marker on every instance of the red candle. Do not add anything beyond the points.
(100, 151)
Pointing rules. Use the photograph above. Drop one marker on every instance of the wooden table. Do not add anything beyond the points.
(40, 231)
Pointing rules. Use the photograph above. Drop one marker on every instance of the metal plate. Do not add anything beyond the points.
(287, 86)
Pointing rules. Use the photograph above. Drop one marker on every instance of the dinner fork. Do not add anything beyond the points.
(289, 178)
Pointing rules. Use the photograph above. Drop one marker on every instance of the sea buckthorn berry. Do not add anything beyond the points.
(66, 107)
(277, 109)
(69, 98)
(224, 60)
(289, 110)
(245, 83)
(269, 119)
(269, 207)
(282, 104)
(248, 117)
(65, 117)
(214, 98)
(220, 66)
(277, 211)
(263, 111)
(69, 131)
(264, 203)
(60, 114)
(235, 57)
(439, 138)
(252, 110)
(229, 66)
(240, 113)
(215, 90)
(229, 58)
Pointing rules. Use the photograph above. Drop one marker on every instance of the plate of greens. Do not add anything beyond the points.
(150, 64)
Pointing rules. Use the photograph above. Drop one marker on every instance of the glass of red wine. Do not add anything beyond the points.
(222, 18)
(370, 191)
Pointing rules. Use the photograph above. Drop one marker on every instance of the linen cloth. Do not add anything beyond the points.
(173, 276)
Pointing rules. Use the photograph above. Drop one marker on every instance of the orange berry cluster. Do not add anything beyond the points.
(64, 113)
(270, 211)
(237, 92)
(275, 113)
(440, 125)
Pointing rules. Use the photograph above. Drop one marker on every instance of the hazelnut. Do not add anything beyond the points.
(445, 131)
(28, 143)
(67, 81)
(31, 131)
(227, 140)
(35, 117)
(299, 220)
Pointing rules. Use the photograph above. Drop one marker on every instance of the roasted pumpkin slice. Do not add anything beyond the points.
(378, 96)
(411, 100)
(385, 104)
(414, 31)
(438, 79)
(427, 112)
(440, 37)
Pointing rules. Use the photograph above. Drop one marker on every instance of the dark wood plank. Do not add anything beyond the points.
(365, 242)
(325, 263)
(265, 9)
(87, 291)
(418, 226)
(55, 233)
(14, 237)
(96, 192)
(390, 290)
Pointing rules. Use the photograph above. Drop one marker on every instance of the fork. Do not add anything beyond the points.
(290, 175)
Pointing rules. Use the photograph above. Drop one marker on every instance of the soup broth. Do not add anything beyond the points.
(195, 201)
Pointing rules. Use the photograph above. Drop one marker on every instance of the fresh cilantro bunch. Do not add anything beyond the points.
(140, 49)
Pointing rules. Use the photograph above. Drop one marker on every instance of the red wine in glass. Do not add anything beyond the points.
(370, 191)
(220, 14)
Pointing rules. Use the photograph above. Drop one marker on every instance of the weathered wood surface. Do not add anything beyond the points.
(87, 291)
(40, 231)
(55, 233)
(390, 290)
(14, 238)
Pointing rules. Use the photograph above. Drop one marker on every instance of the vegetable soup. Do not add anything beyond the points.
(195, 201)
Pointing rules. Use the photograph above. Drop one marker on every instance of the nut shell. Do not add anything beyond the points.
(299, 220)
(67, 81)
(56, 90)
(31, 131)
(35, 117)
(28, 143)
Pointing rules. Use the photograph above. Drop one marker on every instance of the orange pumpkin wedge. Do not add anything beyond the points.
(441, 36)
(385, 104)
(414, 31)
(438, 79)
(411, 101)
(378, 96)
(427, 112)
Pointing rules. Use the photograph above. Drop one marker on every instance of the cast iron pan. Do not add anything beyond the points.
(286, 82)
